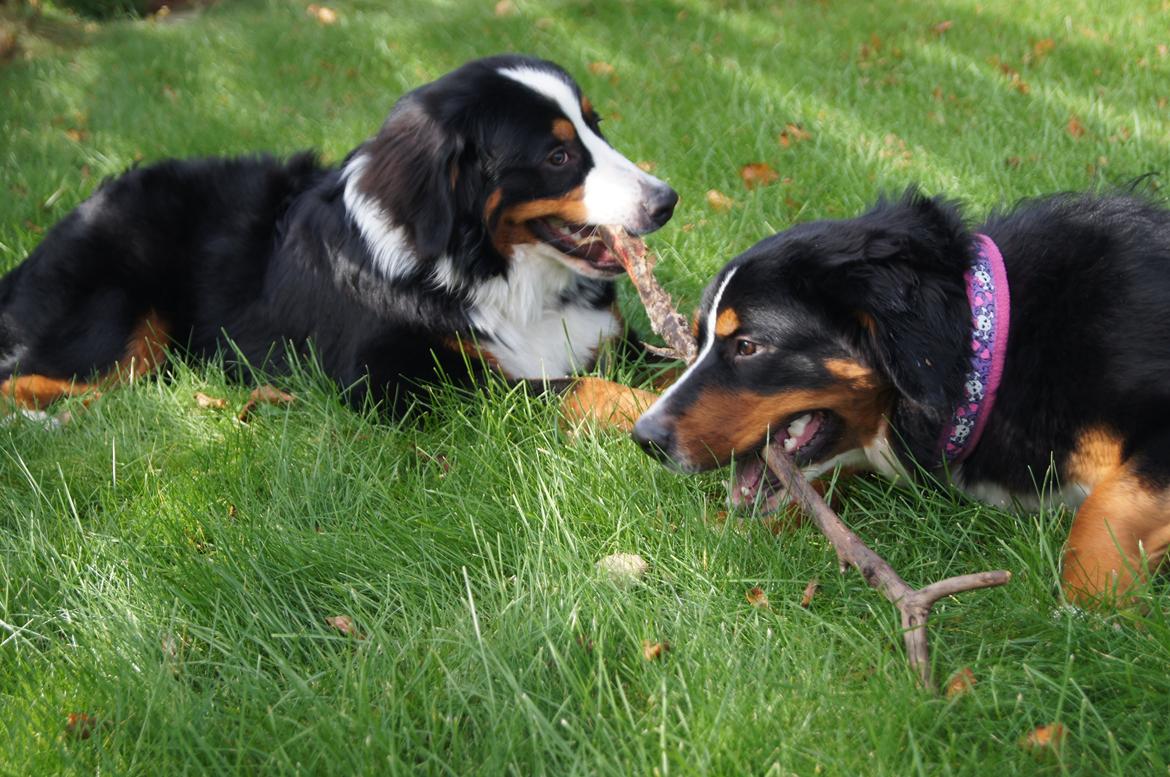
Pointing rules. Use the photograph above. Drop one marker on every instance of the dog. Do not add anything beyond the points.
(902, 341)
(460, 234)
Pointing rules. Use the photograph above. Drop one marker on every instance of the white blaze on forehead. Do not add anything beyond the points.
(614, 186)
(708, 344)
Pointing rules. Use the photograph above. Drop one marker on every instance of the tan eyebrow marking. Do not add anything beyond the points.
(727, 322)
(562, 129)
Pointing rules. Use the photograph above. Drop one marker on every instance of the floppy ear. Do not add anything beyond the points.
(902, 282)
(412, 173)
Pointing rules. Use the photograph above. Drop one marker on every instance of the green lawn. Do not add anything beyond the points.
(168, 571)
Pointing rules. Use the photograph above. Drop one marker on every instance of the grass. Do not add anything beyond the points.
(167, 571)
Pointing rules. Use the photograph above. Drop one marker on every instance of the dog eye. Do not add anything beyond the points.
(745, 347)
(558, 158)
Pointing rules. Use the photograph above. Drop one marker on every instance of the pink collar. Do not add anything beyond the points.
(987, 292)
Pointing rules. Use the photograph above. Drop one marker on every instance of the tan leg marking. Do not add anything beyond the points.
(609, 404)
(1121, 518)
(145, 352)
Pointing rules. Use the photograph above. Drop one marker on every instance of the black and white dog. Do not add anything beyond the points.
(464, 227)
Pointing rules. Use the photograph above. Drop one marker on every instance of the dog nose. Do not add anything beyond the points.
(654, 436)
(661, 205)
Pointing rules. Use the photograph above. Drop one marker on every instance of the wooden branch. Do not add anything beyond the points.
(664, 319)
(915, 605)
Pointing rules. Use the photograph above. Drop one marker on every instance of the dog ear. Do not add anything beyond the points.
(901, 281)
(412, 173)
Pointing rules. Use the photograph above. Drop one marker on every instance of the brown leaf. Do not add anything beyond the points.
(757, 174)
(942, 27)
(544, 23)
(757, 598)
(1042, 738)
(209, 402)
(647, 166)
(264, 395)
(719, 201)
(80, 725)
(1042, 48)
(810, 591)
(344, 624)
(603, 69)
(793, 134)
(1075, 128)
(623, 569)
(323, 14)
(652, 651)
(505, 8)
(1012, 162)
(76, 135)
(962, 682)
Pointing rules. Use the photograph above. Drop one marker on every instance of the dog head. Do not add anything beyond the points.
(502, 155)
(814, 337)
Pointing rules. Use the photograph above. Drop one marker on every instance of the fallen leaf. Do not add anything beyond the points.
(344, 624)
(623, 569)
(757, 598)
(793, 134)
(601, 68)
(1012, 162)
(652, 651)
(962, 682)
(76, 135)
(205, 401)
(757, 174)
(1075, 128)
(323, 14)
(264, 395)
(1041, 738)
(942, 27)
(810, 591)
(647, 167)
(80, 725)
(435, 458)
(719, 201)
(505, 8)
(544, 23)
(1042, 48)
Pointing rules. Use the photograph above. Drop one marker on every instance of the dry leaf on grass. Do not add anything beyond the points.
(1045, 738)
(80, 725)
(962, 682)
(719, 201)
(652, 651)
(758, 174)
(209, 402)
(793, 134)
(810, 591)
(1074, 127)
(601, 69)
(264, 395)
(505, 8)
(323, 14)
(623, 569)
(344, 624)
(757, 598)
(942, 27)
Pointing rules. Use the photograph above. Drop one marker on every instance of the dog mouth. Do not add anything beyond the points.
(807, 437)
(581, 242)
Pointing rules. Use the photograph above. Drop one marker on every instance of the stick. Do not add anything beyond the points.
(914, 604)
(664, 319)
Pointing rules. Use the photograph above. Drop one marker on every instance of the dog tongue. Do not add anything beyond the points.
(747, 482)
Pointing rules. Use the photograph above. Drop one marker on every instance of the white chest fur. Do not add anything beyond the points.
(529, 330)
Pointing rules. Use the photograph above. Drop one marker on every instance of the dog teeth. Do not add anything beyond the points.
(797, 427)
(790, 444)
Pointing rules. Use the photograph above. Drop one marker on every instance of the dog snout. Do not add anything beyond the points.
(660, 205)
(654, 436)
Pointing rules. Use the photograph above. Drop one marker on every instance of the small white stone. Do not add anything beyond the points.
(623, 569)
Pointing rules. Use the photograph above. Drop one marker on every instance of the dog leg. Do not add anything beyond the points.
(144, 353)
(611, 405)
(1122, 519)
